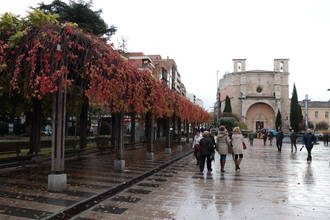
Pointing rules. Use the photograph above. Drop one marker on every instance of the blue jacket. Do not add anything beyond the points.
(309, 139)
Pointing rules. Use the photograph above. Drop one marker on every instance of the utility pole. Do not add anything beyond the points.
(306, 100)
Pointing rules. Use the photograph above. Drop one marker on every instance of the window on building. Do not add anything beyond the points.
(239, 66)
(316, 114)
(326, 115)
(281, 66)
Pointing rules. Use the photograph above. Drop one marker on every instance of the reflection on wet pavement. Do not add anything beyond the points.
(270, 185)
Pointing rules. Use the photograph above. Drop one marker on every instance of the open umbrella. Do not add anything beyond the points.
(273, 131)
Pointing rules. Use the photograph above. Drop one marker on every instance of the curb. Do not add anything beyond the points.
(83, 205)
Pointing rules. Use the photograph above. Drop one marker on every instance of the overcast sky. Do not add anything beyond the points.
(203, 36)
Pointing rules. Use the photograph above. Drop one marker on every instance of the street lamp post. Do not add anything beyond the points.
(306, 100)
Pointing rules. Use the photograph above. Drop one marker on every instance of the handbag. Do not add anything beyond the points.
(244, 146)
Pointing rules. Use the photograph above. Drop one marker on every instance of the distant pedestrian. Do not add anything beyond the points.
(326, 139)
(279, 140)
(293, 139)
(223, 143)
(270, 138)
(264, 136)
(251, 138)
(237, 142)
(309, 140)
(198, 136)
(206, 149)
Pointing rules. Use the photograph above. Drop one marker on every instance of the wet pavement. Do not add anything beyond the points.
(270, 185)
(24, 195)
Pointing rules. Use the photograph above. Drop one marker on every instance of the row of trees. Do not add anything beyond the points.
(42, 53)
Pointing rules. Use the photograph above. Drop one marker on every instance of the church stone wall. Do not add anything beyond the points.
(273, 91)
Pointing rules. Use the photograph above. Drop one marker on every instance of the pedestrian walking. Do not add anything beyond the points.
(270, 138)
(293, 139)
(198, 136)
(279, 140)
(326, 139)
(213, 140)
(237, 141)
(223, 143)
(309, 140)
(251, 138)
(206, 149)
(264, 136)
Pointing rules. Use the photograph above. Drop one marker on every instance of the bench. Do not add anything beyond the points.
(10, 148)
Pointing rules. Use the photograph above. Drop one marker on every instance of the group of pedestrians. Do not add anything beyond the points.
(206, 144)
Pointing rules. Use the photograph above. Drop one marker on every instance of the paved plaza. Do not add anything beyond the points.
(270, 185)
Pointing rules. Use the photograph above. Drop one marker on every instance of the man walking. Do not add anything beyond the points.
(279, 140)
(309, 140)
(206, 149)
(293, 138)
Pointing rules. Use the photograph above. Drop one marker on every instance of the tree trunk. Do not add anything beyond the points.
(150, 132)
(133, 128)
(117, 134)
(159, 125)
(187, 131)
(36, 127)
(179, 130)
(167, 133)
(84, 123)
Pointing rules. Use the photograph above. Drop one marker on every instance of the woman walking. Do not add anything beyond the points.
(237, 142)
(223, 142)
(198, 136)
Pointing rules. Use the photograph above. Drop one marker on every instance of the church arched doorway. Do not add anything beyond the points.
(260, 115)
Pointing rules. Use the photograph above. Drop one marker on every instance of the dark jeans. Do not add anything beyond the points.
(202, 163)
(293, 144)
(309, 153)
(196, 154)
(279, 146)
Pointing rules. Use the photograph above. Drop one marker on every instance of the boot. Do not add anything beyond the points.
(222, 164)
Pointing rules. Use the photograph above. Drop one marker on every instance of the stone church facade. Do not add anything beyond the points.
(257, 95)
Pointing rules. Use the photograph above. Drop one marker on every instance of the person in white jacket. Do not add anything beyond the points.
(198, 136)
(223, 143)
(237, 142)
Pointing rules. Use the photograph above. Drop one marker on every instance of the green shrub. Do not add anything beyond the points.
(229, 122)
(242, 125)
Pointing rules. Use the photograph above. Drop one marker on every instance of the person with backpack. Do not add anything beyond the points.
(223, 143)
(206, 149)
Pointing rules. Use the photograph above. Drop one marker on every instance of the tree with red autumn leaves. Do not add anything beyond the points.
(37, 55)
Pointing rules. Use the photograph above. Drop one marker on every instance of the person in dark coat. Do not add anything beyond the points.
(270, 138)
(279, 140)
(206, 149)
(309, 140)
(293, 139)
(264, 136)
(211, 136)
(326, 139)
